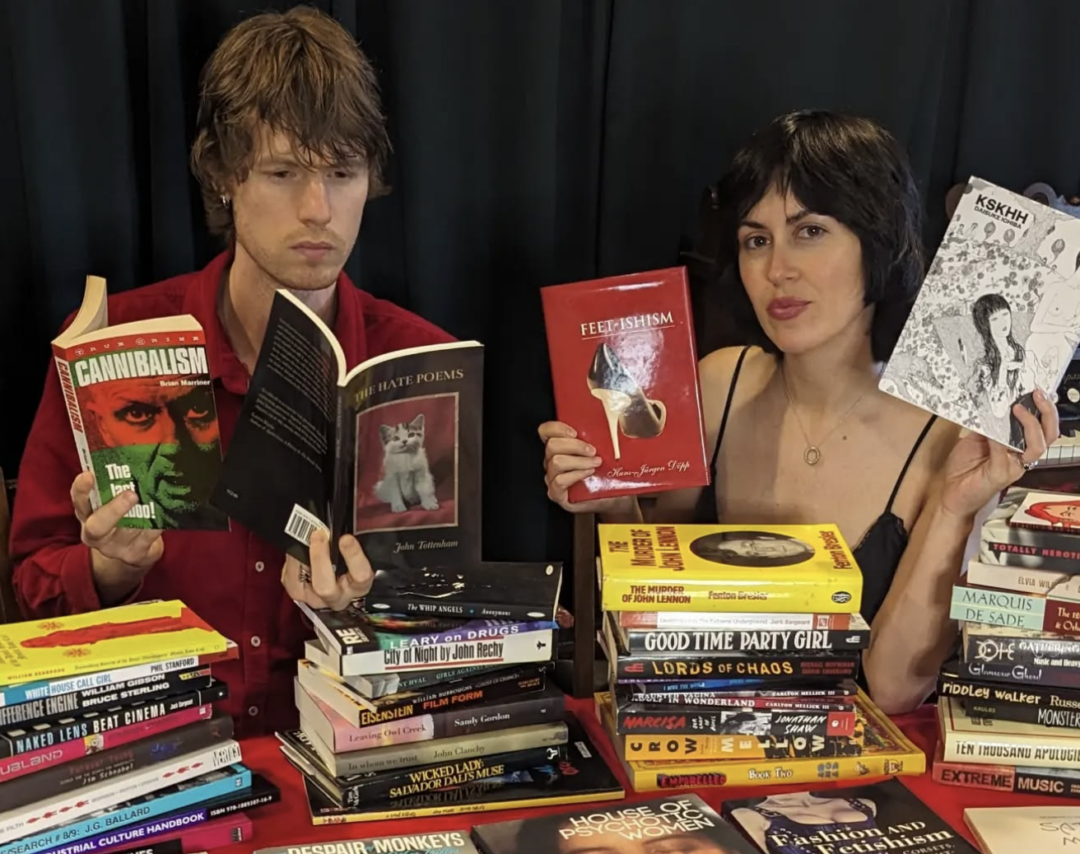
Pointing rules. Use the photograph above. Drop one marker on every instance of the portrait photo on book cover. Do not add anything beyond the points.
(407, 464)
(751, 548)
(160, 436)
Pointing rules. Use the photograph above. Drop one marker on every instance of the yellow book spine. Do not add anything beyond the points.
(732, 773)
(802, 597)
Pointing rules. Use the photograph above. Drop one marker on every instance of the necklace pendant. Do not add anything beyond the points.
(811, 456)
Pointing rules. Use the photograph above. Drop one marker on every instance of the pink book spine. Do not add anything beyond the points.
(26, 763)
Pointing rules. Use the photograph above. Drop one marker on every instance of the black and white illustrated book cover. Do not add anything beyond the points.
(998, 314)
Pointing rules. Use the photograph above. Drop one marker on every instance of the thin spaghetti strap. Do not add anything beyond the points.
(727, 408)
(911, 456)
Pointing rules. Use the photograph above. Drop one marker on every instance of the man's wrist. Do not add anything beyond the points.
(114, 579)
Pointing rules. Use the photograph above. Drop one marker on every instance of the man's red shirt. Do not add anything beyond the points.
(231, 579)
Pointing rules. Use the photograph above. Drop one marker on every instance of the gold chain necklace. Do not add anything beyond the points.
(812, 455)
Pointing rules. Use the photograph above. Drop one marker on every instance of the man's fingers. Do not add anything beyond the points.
(1034, 439)
(562, 482)
(323, 578)
(102, 521)
(359, 575)
(80, 495)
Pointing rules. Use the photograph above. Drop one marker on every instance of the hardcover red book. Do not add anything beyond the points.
(624, 370)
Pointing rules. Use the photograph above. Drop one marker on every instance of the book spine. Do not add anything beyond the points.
(74, 412)
(67, 808)
(167, 800)
(780, 723)
(966, 683)
(661, 700)
(724, 773)
(1014, 579)
(523, 610)
(1021, 713)
(1005, 778)
(496, 631)
(12, 695)
(527, 711)
(112, 764)
(1049, 616)
(708, 747)
(340, 468)
(27, 763)
(727, 621)
(986, 748)
(508, 649)
(88, 699)
(89, 725)
(407, 783)
(182, 839)
(634, 668)
(431, 752)
(815, 595)
(661, 640)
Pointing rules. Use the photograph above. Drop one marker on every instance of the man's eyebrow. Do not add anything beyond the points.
(793, 218)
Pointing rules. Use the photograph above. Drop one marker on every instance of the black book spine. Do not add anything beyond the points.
(471, 691)
(20, 740)
(804, 641)
(1022, 713)
(414, 781)
(145, 688)
(738, 666)
(958, 682)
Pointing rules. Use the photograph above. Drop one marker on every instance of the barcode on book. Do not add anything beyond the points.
(302, 524)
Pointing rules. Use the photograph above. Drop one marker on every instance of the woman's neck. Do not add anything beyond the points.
(832, 377)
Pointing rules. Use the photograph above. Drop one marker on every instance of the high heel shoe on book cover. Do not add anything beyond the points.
(625, 404)
(624, 369)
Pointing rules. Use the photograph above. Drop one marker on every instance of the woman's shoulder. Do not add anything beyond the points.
(719, 365)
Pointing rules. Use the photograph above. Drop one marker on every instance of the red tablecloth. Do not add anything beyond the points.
(289, 823)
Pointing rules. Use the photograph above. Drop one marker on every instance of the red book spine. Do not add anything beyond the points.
(624, 370)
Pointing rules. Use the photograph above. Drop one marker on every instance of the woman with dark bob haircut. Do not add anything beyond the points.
(821, 220)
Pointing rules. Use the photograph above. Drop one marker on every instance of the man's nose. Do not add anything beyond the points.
(315, 202)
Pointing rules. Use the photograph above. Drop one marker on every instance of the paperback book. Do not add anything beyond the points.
(624, 369)
(1004, 830)
(102, 640)
(388, 450)
(141, 405)
(883, 816)
(432, 842)
(506, 591)
(676, 823)
(997, 317)
(712, 567)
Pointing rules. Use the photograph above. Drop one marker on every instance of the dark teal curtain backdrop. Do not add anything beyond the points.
(536, 142)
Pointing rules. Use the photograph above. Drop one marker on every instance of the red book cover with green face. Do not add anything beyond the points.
(624, 370)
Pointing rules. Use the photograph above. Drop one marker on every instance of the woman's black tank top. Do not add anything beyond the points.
(878, 553)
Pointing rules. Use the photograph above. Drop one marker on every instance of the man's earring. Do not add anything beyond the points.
(225, 200)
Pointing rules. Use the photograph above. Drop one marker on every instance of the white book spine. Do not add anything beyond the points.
(57, 810)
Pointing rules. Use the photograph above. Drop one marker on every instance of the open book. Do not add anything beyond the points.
(141, 405)
(388, 451)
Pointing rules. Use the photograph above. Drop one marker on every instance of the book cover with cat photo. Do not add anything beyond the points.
(885, 816)
(997, 316)
(625, 373)
(388, 450)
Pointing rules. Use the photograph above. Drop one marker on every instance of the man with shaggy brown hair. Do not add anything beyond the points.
(291, 143)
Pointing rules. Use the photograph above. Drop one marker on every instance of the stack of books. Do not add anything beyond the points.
(109, 734)
(433, 695)
(734, 653)
(1009, 707)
